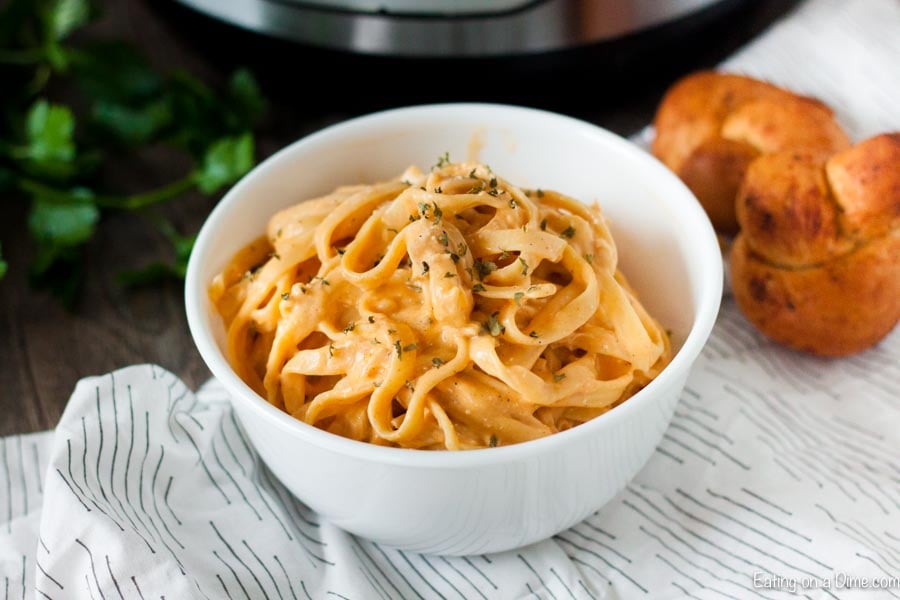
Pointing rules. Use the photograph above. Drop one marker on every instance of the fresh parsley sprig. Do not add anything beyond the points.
(50, 153)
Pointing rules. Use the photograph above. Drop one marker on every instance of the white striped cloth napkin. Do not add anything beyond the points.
(779, 475)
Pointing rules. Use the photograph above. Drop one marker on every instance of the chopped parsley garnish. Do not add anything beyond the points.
(543, 224)
(350, 327)
(557, 377)
(540, 193)
(392, 230)
(438, 213)
(423, 208)
(454, 257)
(398, 348)
(437, 362)
(484, 268)
(513, 203)
(414, 287)
(286, 296)
(493, 326)
(524, 266)
(475, 189)
(472, 174)
(443, 239)
(518, 298)
(274, 255)
(330, 350)
(443, 160)
(589, 258)
(493, 182)
(410, 347)
(448, 275)
(463, 249)
(425, 267)
(493, 441)
(438, 190)
(494, 192)
(504, 254)
(478, 287)
(534, 334)
(371, 319)
(568, 232)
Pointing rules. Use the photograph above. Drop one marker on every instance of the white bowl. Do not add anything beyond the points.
(490, 500)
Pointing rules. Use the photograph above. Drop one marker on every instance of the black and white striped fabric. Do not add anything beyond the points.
(776, 465)
(778, 469)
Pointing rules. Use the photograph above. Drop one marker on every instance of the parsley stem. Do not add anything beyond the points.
(28, 56)
(133, 202)
(157, 196)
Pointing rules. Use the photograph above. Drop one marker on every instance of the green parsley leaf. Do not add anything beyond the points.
(478, 287)
(518, 298)
(524, 266)
(493, 326)
(438, 213)
(543, 224)
(410, 347)
(493, 441)
(442, 161)
(63, 222)
(484, 268)
(49, 129)
(557, 377)
(425, 267)
(245, 96)
(437, 362)
(226, 161)
(129, 125)
(568, 232)
(66, 16)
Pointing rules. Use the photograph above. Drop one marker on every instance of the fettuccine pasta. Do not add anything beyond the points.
(446, 309)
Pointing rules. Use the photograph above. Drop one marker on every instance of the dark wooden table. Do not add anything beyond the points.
(45, 349)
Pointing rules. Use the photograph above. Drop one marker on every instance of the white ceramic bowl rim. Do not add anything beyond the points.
(705, 314)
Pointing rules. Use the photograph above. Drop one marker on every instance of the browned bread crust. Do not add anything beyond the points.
(817, 263)
(710, 126)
